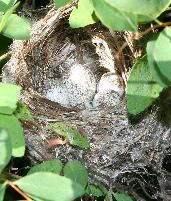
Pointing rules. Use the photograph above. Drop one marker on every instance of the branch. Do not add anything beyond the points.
(18, 190)
(140, 35)
(4, 56)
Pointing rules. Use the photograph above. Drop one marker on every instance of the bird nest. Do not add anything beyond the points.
(72, 75)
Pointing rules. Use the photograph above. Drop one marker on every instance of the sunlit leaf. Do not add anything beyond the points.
(122, 197)
(17, 28)
(113, 18)
(9, 95)
(5, 149)
(159, 52)
(144, 10)
(153, 64)
(15, 131)
(76, 172)
(6, 4)
(4, 18)
(2, 191)
(49, 186)
(61, 3)
(142, 89)
(54, 166)
(82, 15)
(22, 112)
(70, 134)
(94, 191)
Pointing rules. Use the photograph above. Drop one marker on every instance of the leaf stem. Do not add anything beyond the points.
(4, 56)
(140, 35)
(14, 176)
(18, 190)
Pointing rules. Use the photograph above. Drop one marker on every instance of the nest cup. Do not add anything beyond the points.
(64, 66)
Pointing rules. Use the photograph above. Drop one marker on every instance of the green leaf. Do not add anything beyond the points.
(15, 131)
(6, 110)
(22, 112)
(5, 17)
(61, 3)
(144, 10)
(122, 197)
(70, 134)
(142, 89)
(94, 191)
(2, 191)
(5, 149)
(159, 58)
(75, 171)
(17, 28)
(113, 18)
(9, 95)
(153, 64)
(48, 186)
(82, 15)
(6, 4)
(54, 166)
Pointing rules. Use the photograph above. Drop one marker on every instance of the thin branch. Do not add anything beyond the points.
(4, 56)
(150, 29)
(140, 35)
(18, 190)
(14, 176)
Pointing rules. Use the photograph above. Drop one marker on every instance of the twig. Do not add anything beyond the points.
(140, 35)
(4, 56)
(12, 175)
(165, 24)
(18, 190)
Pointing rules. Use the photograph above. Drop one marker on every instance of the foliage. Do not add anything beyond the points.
(95, 191)
(47, 185)
(148, 76)
(9, 97)
(121, 197)
(5, 149)
(70, 134)
(153, 74)
(141, 84)
(11, 25)
(22, 112)
(59, 4)
(159, 57)
(2, 191)
(115, 14)
(76, 172)
(54, 166)
(8, 100)
(81, 17)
